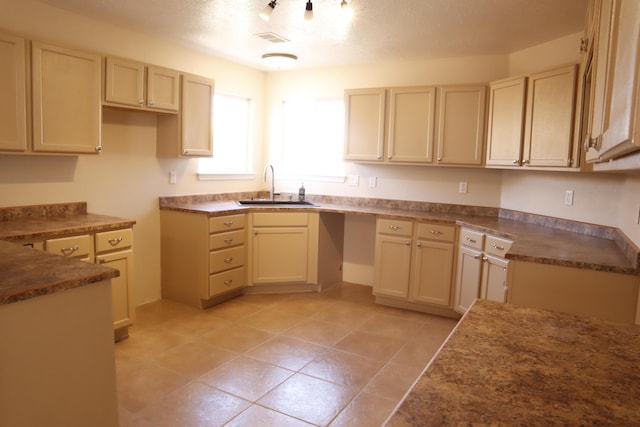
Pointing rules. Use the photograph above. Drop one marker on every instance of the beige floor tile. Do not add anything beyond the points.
(288, 353)
(194, 358)
(366, 410)
(299, 306)
(247, 378)
(195, 405)
(318, 332)
(148, 384)
(371, 345)
(343, 368)
(348, 317)
(232, 310)
(393, 381)
(195, 325)
(159, 312)
(262, 300)
(236, 337)
(271, 320)
(258, 416)
(391, 326)
(146, 344)
(310, 399)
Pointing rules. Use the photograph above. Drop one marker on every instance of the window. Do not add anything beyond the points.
(232, 136)
(313, 138)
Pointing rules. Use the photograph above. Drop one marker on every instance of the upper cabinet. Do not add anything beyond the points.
(364, 124)
(131, 84)
(531, 120)
(460, 129)
(612, 68)
(189, 133)
(13, 102)
(66, 99)
(411, 120)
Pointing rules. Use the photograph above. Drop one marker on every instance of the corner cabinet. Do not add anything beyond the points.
(66, 100)
(190, 133)
(13, 102)
(460, 125)
(131, 84)
(414, 265)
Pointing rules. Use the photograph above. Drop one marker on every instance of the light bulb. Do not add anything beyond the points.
(268, 10)
(308, 13)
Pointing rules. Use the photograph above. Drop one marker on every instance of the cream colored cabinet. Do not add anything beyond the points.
(13, 102)
(80, 247)
(132, 84)
(413, 264)
(460, 125)
(506, 122)
(66, 100)
(190, 133)
(549, 124)
(115, 249)
(403, 133)
(203, 259)
(284, 248)
(482, 271)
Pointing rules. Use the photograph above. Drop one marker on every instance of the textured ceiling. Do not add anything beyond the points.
(381, 30)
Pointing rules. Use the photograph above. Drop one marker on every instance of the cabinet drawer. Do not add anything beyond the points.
(226, 223)
(76, 246)
(117, 239)
(394, 227)
(226, 281)
(226, 259)
(226, 240)
(279, 219)
(470, 238)
(497, 247)
(443, 233)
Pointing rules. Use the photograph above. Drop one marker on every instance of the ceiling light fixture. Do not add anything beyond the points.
(347, 11)
(308, 13)
(268, 10)
(279, 61)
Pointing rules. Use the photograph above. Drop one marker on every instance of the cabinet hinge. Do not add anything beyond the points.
(583, 46)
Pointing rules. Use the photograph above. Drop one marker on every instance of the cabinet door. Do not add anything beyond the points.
(461, 112)
(66, 100)
(468, 278)
(13, 107)
(197, 116)
(163, 89)
(124, 82)
(506, 122)
(494, 279)
(431, 278)
(280, 255)
(621, 131)
(548, 139)
(121, 287)
(411, 120)
(392, 266)
(364, 124)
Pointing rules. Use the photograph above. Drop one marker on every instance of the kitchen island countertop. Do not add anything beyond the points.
(507, 365)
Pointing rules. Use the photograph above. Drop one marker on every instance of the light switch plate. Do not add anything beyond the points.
(568, 197)
(173, 178)
(373, 181)
(462, 187)
(353, 180)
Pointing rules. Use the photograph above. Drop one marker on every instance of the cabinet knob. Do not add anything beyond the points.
(228, 241)
(151, 103)
(99, 149)
(439, 159)
(484, 258)
(228, 260)
(69, 251)
(476, 256)
(436, 232)
(185, 151)
(525, 162)
(141, 101)
(394, 227)
(408, 243)
(115, 242)
(515, 162)
(500, 248)
(228, 223)
(419, 244)
(379, 157)
(228, 282)
(469, 239)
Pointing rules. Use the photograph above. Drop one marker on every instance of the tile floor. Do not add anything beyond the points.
(332, 358)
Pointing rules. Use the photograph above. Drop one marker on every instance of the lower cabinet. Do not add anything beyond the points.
(482, 271)
(413, 265)
(203, 259)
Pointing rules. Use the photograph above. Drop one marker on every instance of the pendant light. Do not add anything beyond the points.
(268, 10)
(308, 13)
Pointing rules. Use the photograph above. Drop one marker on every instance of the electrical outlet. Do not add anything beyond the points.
(462, 187)
(568, 197)
(173, 178)
(373, 181)
(353, 180)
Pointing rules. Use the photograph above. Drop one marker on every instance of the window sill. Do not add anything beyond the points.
(313, 178)
(225, 176)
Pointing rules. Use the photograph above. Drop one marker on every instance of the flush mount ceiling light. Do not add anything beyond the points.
(279, 61)
(268, 10)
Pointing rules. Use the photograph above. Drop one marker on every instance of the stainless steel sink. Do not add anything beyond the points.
(263, 202)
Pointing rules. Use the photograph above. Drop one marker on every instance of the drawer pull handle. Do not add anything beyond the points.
(101, 260)
(394, 227)
(476, 256)
(500, 248)
(228, 260)
(115, 242)
(484, 258)
(469, 239)
(419, 244)
(228, 282)
(435, 232)
(228, 223)
(69, 251)
(408, 243)
(228, 240)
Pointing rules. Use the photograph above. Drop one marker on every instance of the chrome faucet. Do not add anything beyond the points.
(272, 194)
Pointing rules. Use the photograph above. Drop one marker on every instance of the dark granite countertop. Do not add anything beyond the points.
(537, 238)
(26, 273)
(507, 365)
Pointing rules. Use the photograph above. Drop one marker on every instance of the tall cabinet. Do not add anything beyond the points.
(13, 102)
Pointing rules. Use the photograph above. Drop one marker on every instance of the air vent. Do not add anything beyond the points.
(272, 37)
